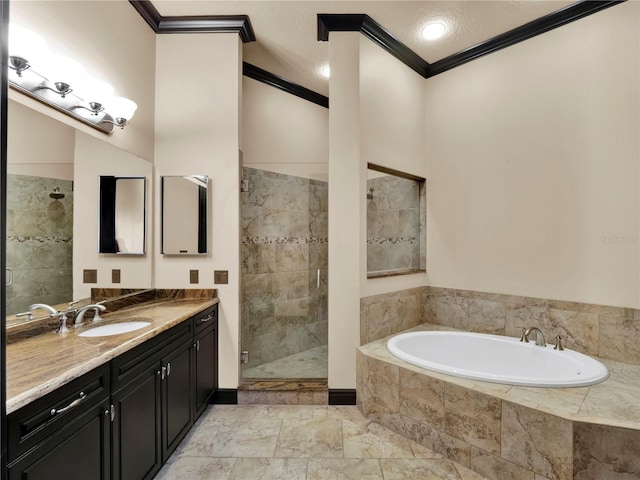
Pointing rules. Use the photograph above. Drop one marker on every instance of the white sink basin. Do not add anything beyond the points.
(114, 329)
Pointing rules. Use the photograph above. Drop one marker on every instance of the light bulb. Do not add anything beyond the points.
(26, 44)
(64, 69)
(325, 71)
(94, 90)
(120, 108)
(434, 30)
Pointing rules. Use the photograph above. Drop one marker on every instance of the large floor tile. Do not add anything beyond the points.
(254, 437)
(316, 438)
(269, 469)
(370, 440)
(344, 469)
(422, 469)
(197, 468)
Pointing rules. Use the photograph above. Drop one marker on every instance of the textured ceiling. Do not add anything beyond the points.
(286, 31)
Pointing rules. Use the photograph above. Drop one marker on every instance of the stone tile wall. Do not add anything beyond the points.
(388, 313)
(394, 224)
(603, 331)
(284, 243)
(39, 242)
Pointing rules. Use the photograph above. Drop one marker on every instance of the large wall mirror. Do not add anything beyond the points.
(396, 222)
(122, 215)
(52, 211)
(184, 214)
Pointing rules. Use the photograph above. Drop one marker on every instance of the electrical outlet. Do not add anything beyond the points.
(244, 356)
(193, 276)
(115, 276)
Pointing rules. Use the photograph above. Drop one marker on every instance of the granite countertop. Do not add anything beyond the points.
(613, 402)
(42, 363)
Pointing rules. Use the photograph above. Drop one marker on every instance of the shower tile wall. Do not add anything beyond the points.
(39, 241)
(284, 243)
(393, 224)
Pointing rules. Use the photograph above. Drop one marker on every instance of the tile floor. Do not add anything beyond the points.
(291, 442)
(308, 364)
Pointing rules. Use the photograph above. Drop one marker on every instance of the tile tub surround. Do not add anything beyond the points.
(40, 364)
(284, 243)
(239, 442)
(597, 330)
(508, 432)
(39, 241)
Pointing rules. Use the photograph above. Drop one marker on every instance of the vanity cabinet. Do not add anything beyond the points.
(122, 420)
(75, 418)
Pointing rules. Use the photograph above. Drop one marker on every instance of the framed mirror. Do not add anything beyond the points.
(396, 222)
(184, 202)
(122, 215)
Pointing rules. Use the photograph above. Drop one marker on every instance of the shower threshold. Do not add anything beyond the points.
(308, 365)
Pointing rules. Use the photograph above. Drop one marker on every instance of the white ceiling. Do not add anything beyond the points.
(286, 30)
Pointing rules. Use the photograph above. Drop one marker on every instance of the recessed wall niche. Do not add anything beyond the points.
(396, 222)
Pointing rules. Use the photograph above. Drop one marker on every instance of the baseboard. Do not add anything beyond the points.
(342, 396)
(225, 396)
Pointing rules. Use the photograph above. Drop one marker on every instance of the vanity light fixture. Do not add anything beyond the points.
(60, 82)
(433, 30)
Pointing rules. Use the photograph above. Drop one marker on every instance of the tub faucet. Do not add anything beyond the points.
(540, 341)
(83, 310)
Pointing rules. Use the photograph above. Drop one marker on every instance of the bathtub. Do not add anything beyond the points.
(497, 359)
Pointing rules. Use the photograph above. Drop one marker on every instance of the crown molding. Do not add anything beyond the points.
(374, 31)
(194, 24)
(268, 78)
(528, 30)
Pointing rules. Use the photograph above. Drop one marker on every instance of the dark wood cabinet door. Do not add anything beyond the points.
(206, 365)
(176, 398)
(136, 427)
(81, 451)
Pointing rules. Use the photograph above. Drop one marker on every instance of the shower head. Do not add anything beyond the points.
(370, 194)
(56, 193)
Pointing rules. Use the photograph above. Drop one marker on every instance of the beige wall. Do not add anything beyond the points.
(533, 166)
(198, 128)
(284, 133)
(376, 116)
(38, 145)
(114, 44)
(92, 159)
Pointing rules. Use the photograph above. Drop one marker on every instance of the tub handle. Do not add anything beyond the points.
(558, 346)
(523, 337)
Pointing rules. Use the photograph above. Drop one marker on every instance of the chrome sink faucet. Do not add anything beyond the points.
(540, 341)
(96, 317)
(52, 313)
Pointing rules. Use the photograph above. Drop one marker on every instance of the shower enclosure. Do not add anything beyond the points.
(284, 276)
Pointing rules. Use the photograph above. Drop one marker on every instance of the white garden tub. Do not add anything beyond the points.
(498, 359)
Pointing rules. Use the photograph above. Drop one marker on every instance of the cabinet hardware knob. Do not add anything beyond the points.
(207, 318)
(168, 368)
(198, 346)
(164, 373)
(75, 403)
(113, 412)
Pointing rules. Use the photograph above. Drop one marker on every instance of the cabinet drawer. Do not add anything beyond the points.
(206, 318)
(129, 365)
(33, 423)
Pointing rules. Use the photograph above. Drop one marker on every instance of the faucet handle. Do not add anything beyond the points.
(29, 315)
(558, 345)
(63, 324)
(72, 303)
(523, 337)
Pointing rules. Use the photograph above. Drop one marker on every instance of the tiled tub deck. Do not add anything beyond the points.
(508, 432)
